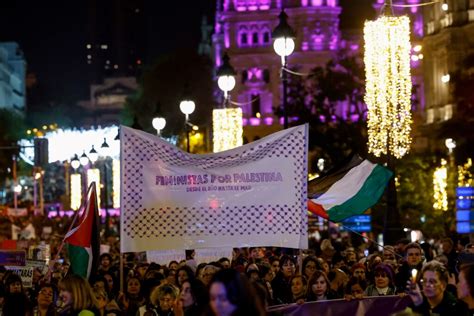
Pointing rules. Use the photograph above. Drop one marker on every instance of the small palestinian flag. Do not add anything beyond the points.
(83, 241)
(347, 191)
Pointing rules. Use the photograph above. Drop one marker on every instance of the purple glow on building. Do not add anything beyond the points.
(414, 9)
(304, 46)
(268, 120)
(254, 121)
(318, 42)
(354, 46)
(334, 42)
(226, 36)
(316, 3)
(418, 27)
(255, 73)
(304, 3)
(332, 3)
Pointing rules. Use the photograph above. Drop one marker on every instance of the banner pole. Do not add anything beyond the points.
(382, 246)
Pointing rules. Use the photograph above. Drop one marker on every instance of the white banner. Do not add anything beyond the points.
(253, 195)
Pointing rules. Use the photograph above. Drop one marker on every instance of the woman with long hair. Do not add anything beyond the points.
(46, 300)
(16, 301)
(193, 298)
(319, 288)
(281, 283)
(77, 297)
(231, 294)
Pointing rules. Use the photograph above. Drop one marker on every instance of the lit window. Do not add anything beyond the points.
(448, 112)
(88, 46)
(430, 116)
(103, 46)
(89, 57)
(115, 66)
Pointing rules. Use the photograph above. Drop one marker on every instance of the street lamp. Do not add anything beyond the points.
(187, 106)
(105, 152)
(83, 159)
(93, 155)
(284, 45)
(75, 163)
(226, 122)
(226, 77)
(159, 124)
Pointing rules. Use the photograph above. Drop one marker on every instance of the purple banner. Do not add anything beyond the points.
(370, 306)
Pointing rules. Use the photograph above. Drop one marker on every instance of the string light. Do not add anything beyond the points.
(93, 175)
(227, 128)
(76, 190)
(116, 183)
(388, 85)
(440, 194)
(465, 177)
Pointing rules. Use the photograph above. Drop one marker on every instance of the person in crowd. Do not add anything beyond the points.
(434, 299)
(111, 285)
(319, 288)
(133, 298)
(310, 264)
(355, 288)
(350, 256)
(184, 273)
(173, 265)
(372, 261)
(358, 271)
(207, 273)
(275, 264)
(281, 283)
(266, 276)
(193, 298)
(105, 306)
(389, 255)
(141, 269)
(199, 270)
(447, 246)
(469, 248)
(383, 281)
(162, 300)
(465, 287)
(298, 284)
(46, 300)
(76, 297)
(105, 261)
(232, 294)
(16, 302)
(413, 260)
(224, 262)
(252, 272)
(324, 266)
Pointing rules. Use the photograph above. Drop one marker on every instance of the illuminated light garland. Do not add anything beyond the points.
(76, 191)
(93, 175)
(227, 128)
(440, 183)
(465, 177)
(116, 183)
(388, 85)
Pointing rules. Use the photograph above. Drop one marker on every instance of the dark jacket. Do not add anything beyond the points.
(448, 306)
(281, 290)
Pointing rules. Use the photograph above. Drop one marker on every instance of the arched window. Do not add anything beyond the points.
(255, 38)
(266, 37)
(245, 76)
(243, 39)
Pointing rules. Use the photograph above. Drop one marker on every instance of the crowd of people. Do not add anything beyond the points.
(438, 278)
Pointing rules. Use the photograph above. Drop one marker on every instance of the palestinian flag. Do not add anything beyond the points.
(347, 191)
(83, 241)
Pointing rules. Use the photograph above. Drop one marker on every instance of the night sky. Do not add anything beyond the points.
(52, 35)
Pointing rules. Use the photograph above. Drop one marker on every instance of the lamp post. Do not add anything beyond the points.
(105, 152)
(284, 45)
(227, 121)
(187, 106)
(159, 124)
(226, 77)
